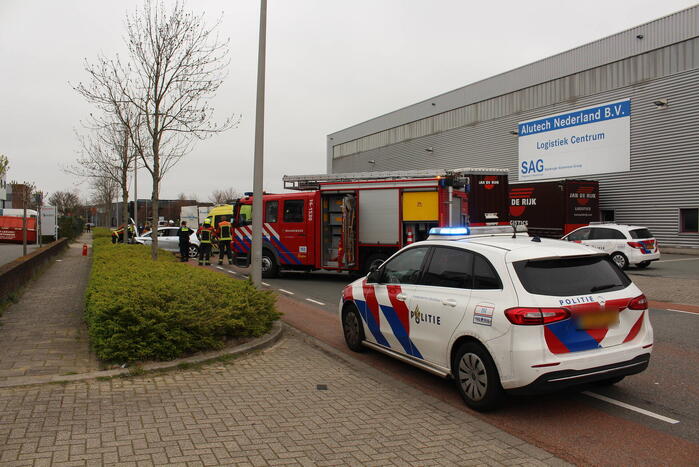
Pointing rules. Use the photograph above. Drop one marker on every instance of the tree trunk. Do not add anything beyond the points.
(154, 206)
(125, 187)
(156, 189)
(125, 208)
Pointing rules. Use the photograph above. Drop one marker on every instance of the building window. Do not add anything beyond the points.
(689, 220)
(607, 215)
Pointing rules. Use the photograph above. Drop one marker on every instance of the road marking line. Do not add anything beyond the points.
(682, 311)
(219, 267)
(232, 272)
(315, 301)
(673, 260)
(631, 407)
(265, 284)
(286, 291)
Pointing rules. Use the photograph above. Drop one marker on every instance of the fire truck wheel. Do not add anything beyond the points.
(352, 328)
(620, 260)
(270, 269)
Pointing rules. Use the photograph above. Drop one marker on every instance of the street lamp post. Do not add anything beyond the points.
(256, 273)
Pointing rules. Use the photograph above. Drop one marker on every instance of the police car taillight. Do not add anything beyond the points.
(525, 316)
(634, 244)
(638, 303)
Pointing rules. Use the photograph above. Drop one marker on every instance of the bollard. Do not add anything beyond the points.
(84, 249)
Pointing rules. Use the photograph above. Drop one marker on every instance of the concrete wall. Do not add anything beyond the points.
(15, 274)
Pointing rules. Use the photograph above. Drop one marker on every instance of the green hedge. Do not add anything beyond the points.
(70, 226)
(138, 309)
(101, 232)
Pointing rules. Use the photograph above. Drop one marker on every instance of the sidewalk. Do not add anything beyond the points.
(44, 333)
(291, 404)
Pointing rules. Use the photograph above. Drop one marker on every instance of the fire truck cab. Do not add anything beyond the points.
(347, 222)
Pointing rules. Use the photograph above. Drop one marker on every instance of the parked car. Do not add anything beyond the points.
(625, 244)
(501, 313)
(168, 240)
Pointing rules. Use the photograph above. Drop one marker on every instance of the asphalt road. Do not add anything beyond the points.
(672, 266)
(12, 251)
(663, 398)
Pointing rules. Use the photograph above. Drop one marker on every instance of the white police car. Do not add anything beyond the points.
(625, 244)
(498, 313)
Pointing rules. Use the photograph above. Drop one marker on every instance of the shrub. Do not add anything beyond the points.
(70, 226)
(138, 309)
(101, 232)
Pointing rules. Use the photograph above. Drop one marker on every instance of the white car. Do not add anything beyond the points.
(168, 240)
(625, 244)
(498, 313)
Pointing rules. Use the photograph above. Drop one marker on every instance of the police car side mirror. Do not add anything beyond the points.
(374, 272)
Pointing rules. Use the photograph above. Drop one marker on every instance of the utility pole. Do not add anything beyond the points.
(24, 220)
(256, 273)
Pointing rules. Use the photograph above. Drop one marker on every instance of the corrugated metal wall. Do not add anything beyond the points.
(665, 61)
(664, 174)
(662, 32)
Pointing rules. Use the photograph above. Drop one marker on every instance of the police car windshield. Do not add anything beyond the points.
(570, 276)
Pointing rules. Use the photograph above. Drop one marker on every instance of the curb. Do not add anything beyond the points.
(258, 343)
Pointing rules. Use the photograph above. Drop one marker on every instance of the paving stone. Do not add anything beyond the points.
(44, 333)
(263, 409)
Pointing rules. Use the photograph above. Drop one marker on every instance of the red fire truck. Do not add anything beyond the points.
(346, 222)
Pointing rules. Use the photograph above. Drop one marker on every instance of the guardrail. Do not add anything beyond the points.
(15, 274)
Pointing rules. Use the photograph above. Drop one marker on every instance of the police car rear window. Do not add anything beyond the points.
(571, 276)
(640, 233)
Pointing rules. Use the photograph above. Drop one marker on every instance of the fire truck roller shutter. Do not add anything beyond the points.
(378, 217)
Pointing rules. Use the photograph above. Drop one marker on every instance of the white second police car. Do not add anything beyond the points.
(497, 312)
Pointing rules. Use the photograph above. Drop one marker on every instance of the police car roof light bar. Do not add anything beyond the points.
(457, 233)
(450, 231)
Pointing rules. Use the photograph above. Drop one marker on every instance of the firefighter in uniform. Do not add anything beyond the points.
(223, 232)
(118, 234)
(206, 236)
(184, 233)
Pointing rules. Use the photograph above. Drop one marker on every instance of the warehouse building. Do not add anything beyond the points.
(623, 110)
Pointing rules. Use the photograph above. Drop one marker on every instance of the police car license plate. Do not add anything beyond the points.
(598, 320)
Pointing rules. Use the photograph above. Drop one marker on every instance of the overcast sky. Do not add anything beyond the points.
(330, 64)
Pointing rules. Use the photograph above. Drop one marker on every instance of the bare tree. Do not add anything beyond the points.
(4, 165)
(104, 191)
(176, 63)
(223, 196)
(66, 202)
(107, 152)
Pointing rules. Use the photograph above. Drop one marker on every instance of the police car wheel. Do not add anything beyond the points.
(620, 260)
(643, 264)
(193, 251)
(269, 265)
(352, 329)
(477, 377)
